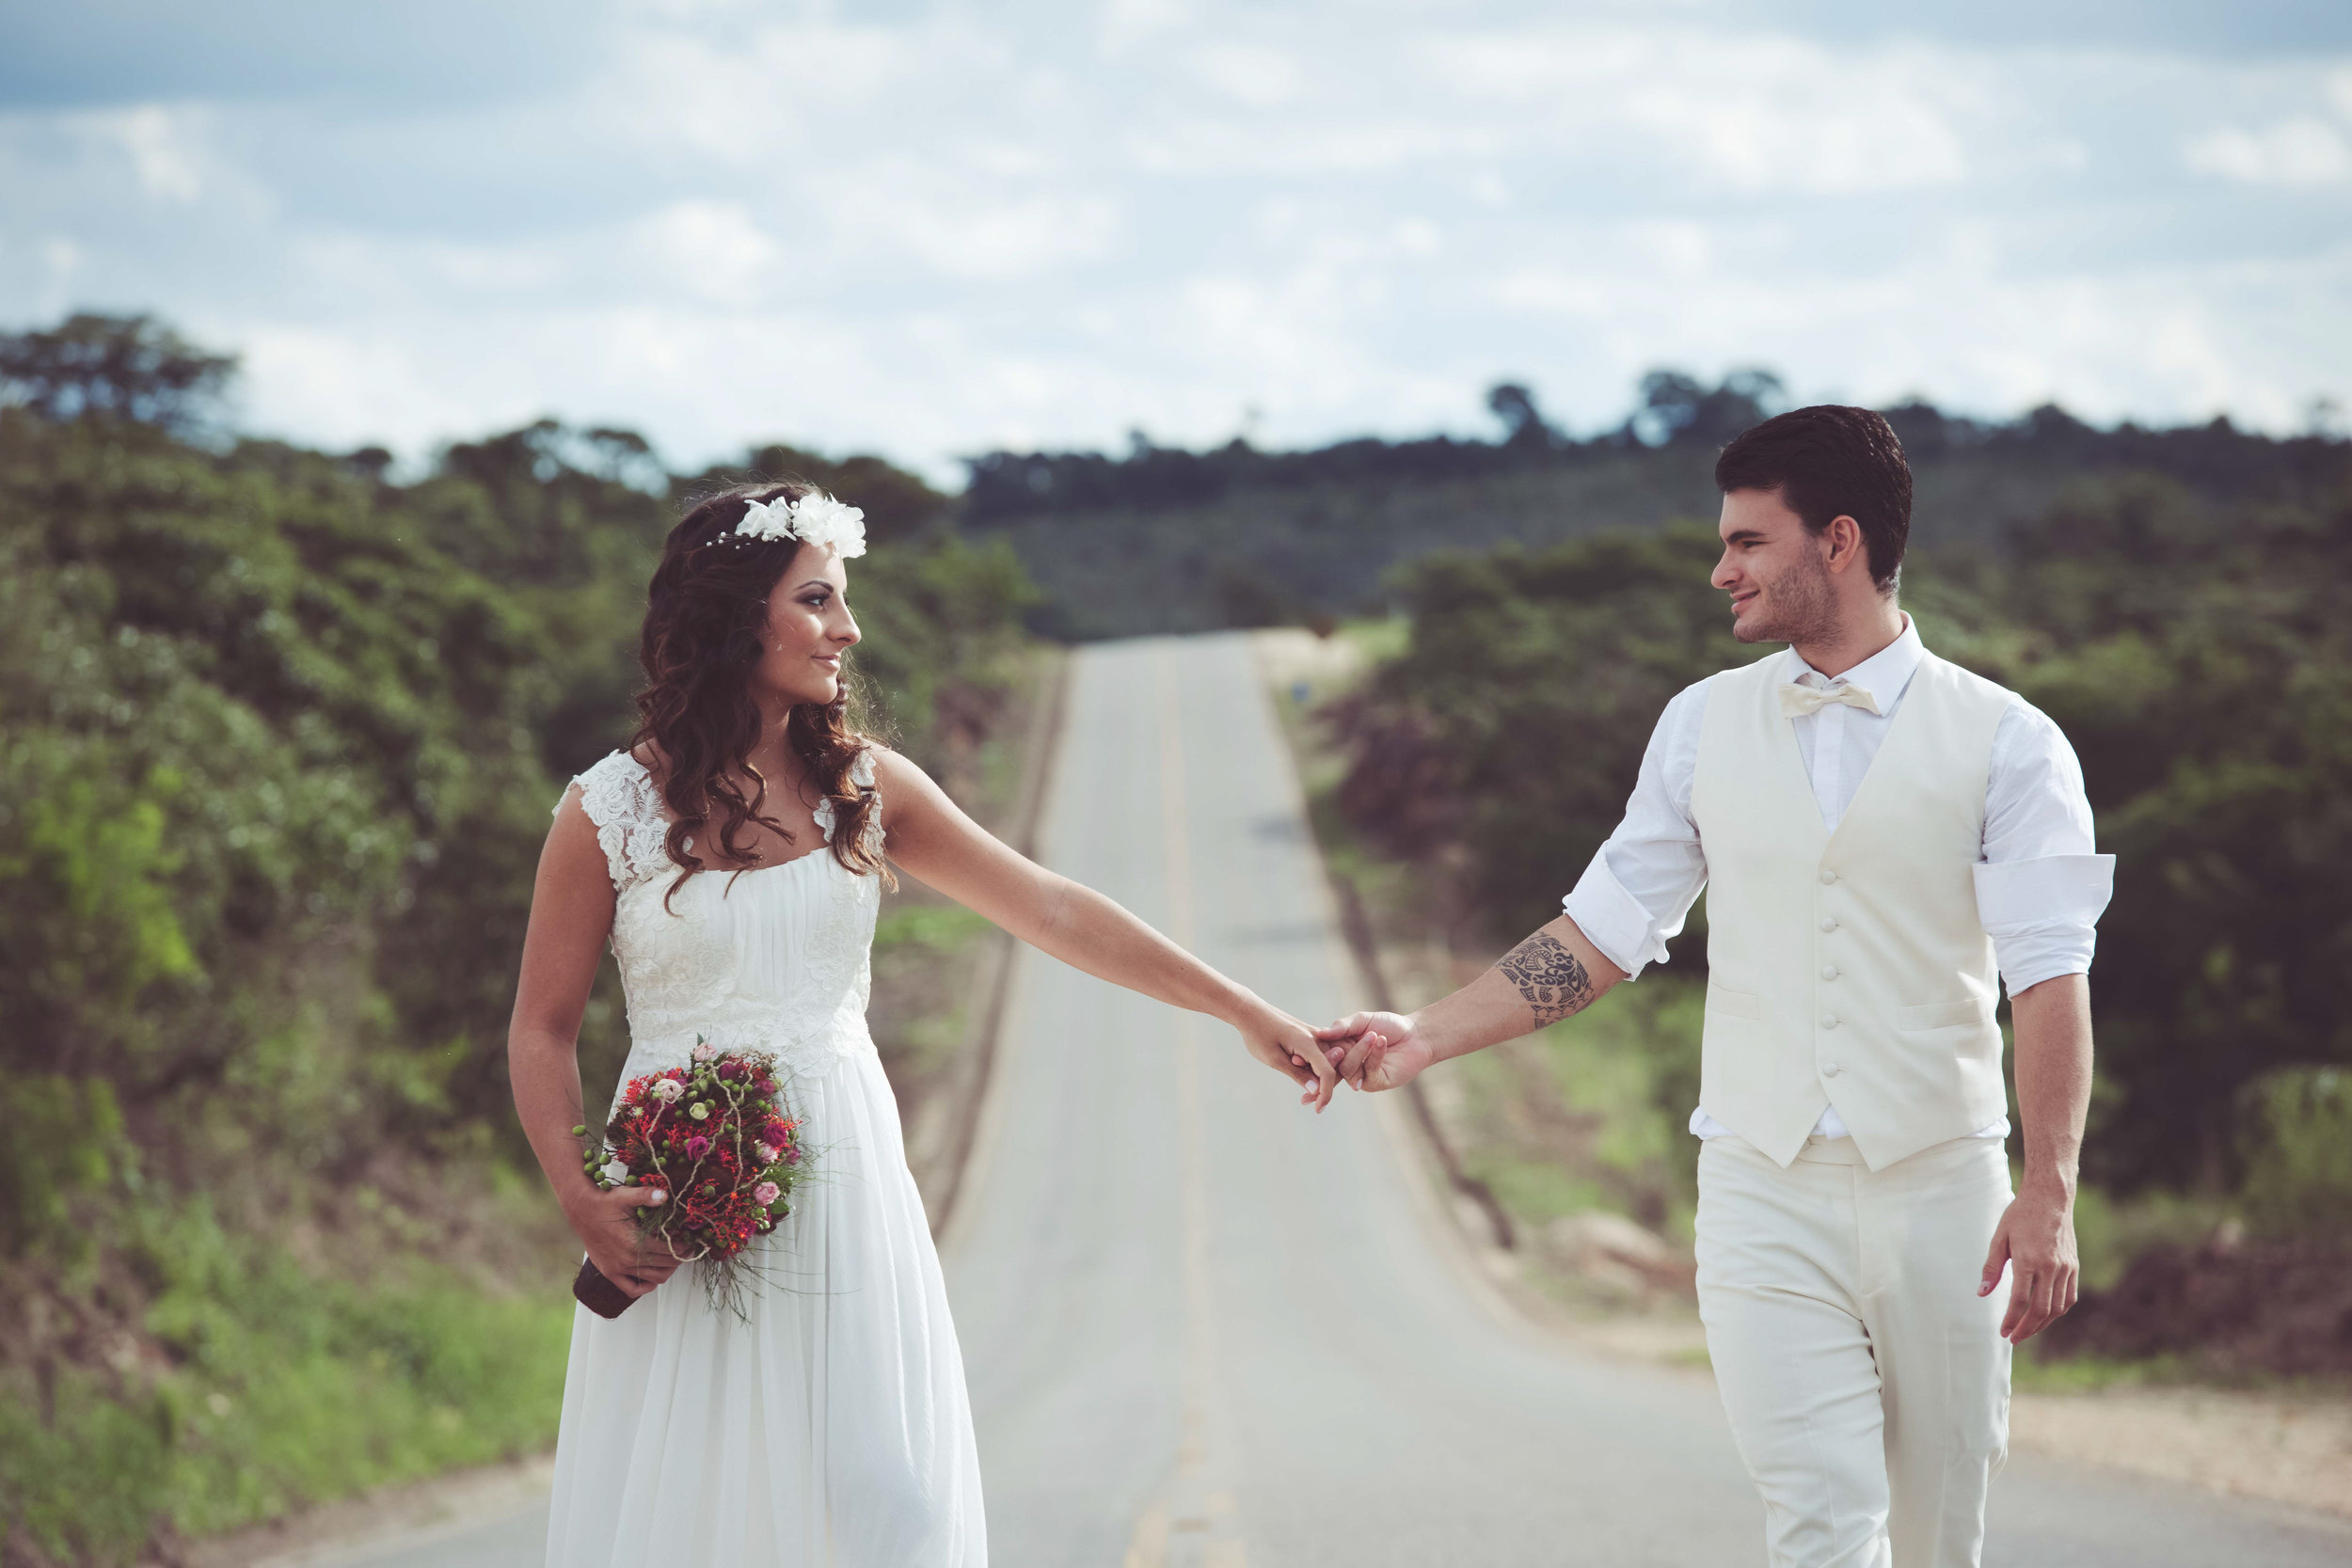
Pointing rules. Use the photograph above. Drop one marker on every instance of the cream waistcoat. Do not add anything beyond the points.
(1849, 969)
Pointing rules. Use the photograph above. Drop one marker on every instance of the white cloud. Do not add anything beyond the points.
(1755, 112)
(2301, 151)
(1257, 77)
(715, 250)
(162, 147)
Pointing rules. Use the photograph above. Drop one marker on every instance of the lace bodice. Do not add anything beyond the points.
(773, 958)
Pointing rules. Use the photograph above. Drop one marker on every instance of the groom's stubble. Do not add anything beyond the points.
(1798, 606)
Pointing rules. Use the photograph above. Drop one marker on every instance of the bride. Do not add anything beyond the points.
(732, 856)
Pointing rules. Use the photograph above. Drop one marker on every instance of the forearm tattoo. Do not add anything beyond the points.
(1549, 976)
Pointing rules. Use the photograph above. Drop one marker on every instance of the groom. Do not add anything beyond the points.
(1879, 830)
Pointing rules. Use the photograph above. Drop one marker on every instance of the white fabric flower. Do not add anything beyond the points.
(815, 519)
(826, 523)
(616, 1172)
(699, 1111)
(765, 520)
(668, 1091)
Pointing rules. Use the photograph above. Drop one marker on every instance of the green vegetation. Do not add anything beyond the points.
(279, 738)
(2183, 633)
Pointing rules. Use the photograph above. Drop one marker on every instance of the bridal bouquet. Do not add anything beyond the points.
(714, 1137)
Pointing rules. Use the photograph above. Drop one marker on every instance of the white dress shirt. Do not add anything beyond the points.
(2040, 887)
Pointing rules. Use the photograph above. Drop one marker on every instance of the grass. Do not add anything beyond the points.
(2032, 1372)
(252, 1385)
(935, 929)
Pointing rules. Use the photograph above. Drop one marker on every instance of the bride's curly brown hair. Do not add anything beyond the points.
(705, 611)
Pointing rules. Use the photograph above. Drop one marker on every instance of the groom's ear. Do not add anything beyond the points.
(1847, 549)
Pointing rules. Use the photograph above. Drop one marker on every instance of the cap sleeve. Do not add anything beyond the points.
(861, 774)
(619, 797)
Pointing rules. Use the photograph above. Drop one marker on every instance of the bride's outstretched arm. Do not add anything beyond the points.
(933, 841)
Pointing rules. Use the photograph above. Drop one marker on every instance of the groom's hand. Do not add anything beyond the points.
(2036, 1239)
(1376, 1051)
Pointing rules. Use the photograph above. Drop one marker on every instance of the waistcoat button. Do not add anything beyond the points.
(1829, 972)
(1828, 877)
(1829, 1070)
(1829, 1020)
(1829, 923)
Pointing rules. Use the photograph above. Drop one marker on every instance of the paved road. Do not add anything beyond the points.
(1203, 1327)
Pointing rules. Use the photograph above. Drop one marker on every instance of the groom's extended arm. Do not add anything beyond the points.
(1632, 898)
(1552, 975)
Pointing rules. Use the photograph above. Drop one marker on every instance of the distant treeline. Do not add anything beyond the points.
(1162, 539)
(1674, 409)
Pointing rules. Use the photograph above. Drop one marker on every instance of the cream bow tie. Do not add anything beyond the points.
(1796, 700)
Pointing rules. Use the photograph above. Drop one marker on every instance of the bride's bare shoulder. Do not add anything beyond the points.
(905, 788)
(892, 768)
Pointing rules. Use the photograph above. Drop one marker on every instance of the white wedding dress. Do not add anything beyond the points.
(831, 1430)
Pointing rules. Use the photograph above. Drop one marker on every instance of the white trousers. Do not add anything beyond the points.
(1867, 1382)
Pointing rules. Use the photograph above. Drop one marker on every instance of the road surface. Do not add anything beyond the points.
(1203, 1326)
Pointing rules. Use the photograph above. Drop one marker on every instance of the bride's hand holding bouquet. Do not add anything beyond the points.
(618, 1246)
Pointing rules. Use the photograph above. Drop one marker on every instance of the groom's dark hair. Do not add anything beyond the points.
(1830, 461)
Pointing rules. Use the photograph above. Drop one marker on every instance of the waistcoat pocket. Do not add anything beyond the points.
(1734, 1004)
(1968, 1012)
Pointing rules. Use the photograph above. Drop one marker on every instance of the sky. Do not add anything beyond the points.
(936, 229)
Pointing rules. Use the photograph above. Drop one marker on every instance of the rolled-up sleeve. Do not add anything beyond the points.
(1636, 893)
(2041, 885)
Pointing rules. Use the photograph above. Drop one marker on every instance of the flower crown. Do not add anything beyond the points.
(816, 518)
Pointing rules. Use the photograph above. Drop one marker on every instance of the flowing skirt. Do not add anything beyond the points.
(831, 1430)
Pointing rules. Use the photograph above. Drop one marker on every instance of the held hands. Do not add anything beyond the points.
(1369, 1051)
(1288, 1046)
(606, 1223)
(2036, 1237)
(1373, 1051)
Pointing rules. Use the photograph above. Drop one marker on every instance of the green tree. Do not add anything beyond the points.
(123, 367)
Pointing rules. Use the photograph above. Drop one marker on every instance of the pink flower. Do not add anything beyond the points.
(766, 1192)
(791, 1156)
(765, 1153)
(704, 1051)
(697, 1147)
